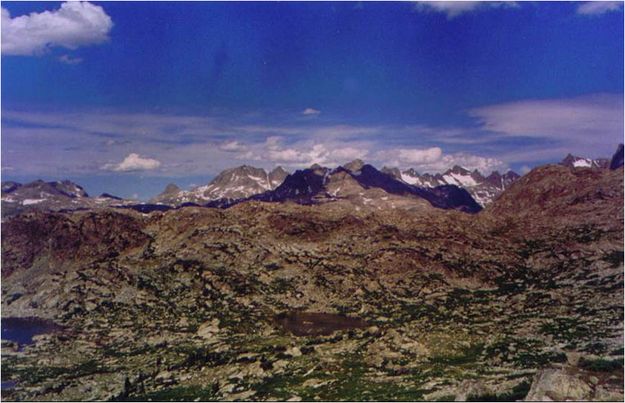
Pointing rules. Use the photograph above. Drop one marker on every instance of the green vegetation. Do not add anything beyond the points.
(465, 355)
(615, 258)
(601, 365)
(568, 329)
(517, 393)
(179, 394)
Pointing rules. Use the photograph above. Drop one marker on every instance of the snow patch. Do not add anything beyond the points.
(411, 180)
(461, 180)
(28, 202)
(585, 163)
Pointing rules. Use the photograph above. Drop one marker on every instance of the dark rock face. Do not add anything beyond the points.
(394, 172)
(308, 186)
(445, 197)
(299, 187)
(110, 196)
(617, 158)
(450, 197)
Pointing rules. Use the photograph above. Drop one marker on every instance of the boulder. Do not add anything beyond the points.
(555, 384)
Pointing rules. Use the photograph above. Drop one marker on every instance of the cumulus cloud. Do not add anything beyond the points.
(599, 7)
(73, 25)
(311, 111)
(335, 153)
(306, 153)
(455, 8)
(134, 162)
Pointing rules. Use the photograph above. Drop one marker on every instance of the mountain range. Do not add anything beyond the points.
(356, 183)
(483, 189)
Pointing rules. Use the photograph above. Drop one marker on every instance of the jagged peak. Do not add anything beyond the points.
(278, 169)
(457, 169)
(355, 165)
(171, 188)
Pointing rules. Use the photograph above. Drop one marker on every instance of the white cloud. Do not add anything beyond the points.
(334, 153)
(75, 24)
(311, 111)
(420, 156)
(232, 146)
(596, 117)
(519, 133)
(589, 125)
(599, 7)
(133, 162)
(69, 60)
(434, 160)
(349, 153)
(455, 8)
(305, 153)
(483, 164)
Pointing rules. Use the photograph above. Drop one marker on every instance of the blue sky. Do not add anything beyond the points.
(127, 97)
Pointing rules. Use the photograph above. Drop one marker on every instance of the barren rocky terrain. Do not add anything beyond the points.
(266, 301)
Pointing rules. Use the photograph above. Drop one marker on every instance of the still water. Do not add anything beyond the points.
(22, 330)
(314, 324)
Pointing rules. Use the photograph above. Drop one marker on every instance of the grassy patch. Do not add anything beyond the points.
(38, 374)
(519, 392)
(466, 355)
(601, 365)
(348, 381)
(538, 359)
(615, 258)
(567, 329)
(179, 393)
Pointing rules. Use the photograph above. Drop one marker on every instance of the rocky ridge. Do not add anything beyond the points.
(51, 196)
(484, 189)
(231, 184)
(573, 161)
